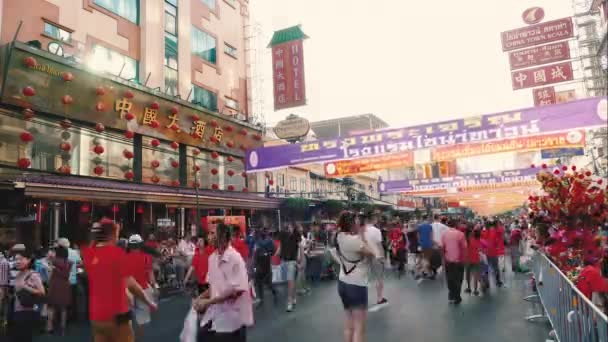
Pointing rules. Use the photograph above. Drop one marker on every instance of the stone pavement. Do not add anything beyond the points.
(417, 312)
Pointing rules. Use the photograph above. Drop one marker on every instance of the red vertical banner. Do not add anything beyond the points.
(288, 74)
(544, 96)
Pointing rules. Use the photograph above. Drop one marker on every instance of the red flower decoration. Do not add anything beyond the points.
(195, 117)
(230, 159)
(98, 170)
(26, 137)
(67, 76)
(129, 134)
(154, 124)
(230, 187)
(245, 190)
(28, 91)
(196, 151)
(127, 154)
(174, 110)
(28, 114)
(155, 179)
(65, 169)
(533, 166)
(174, 145)
(99, 127)
(175, 164)
(573, 167)
(581, 176)
(98, 149)
(565, 168)
(155, 142)
(155, 164)
(230, 173)
(544, 166)
(129, 116)
(599, 181)
(30, 62)
(100, 91)
(24, 163)
(100, 107)
(65, 146)
(129, 175)
(67, 100)
(129, 94)
(214, 171)
(65, 123)
(154, 105)
(556, 172)
(588, 173)
(214, 155)
(215, 186)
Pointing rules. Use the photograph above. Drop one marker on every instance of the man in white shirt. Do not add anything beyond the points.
(438, 229)
(373, 235)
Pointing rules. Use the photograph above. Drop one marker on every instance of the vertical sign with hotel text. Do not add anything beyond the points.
(288, 74)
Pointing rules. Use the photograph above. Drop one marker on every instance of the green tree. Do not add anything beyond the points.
(333, 207)
(295, 207)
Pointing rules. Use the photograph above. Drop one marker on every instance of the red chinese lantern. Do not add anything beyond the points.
(67, 76)
(65, 123)
(243, 132)
(215, 186)
(214, 171)
(155, 179)
(129, 116)
(98, 170)
(533, 166)
(155, 142)
(196, 168)
(98, 149)
(127, 154)
(26, 137)
(257, 137)
(196, 151)
(174, 110)
(129, 175)
(213, 140)
(154, 164)
(154, 105)
(28, 91)
(196, 184)
(243, 148)
(228, 128)
(24, 163)
(270, 182)
(65, 169)
(67, 100)
(195, 117)
(544, 166)
(174, 145)
(214, 155)
(115, 208)
(85, 208)
(244, 174)
(100, 91)
(140, 209)
(244, 190)
(100, 107)
(581, 176)
(30, 62)
(99, 127)
(175, 164)
(171, 210)
(154, 124)
(65, 146)
(230, 188)
(230, 159)
(129, 94)
(28, 114)
(230, 144)
(129, 134)
(213, 123)
(230, 173)
(174, 183)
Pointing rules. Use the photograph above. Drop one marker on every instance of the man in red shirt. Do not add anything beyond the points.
(398, 252)
(200, 265)
(455, 253)
(140, 266)
(107, 269)
(492, 239)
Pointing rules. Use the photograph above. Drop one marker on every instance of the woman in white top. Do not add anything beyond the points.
(353, 253)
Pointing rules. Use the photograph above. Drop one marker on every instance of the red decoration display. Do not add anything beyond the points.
(196, 168)
(174, 164)
(155, 164)
(230, 188)
(100, 107)
(129, 116)
(100, 91)
(174, 110)
(196, 151)
(129, 175)
(65, 169)
(155, 142)
(65, 146)
(28, 91)
(28, 114)
(154, 179)
(230, 159)
(214, 172)
(98, 149)
(270, 182)
(213, 123)
(99, 127)
(243, 174)
(140, 209)
(243, 132)
(85, 207)
(228, 128)
(230, 173)
(98, 170)
(154, 105)
(67, 100)
(174, 145)
(245, 190)
(26, 137)
(214, 155)
(215, 186)
(67, 76)
(129, 134)
(129, 94)
(65, 123)
(30, 62)
(175, 183)
(257, 137)
(24, 163)
(230, 144)
(127, 154)
(195, 117)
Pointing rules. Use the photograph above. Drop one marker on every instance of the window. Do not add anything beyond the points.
(204, 98)
(170, 18)
(230, 50)
(232, 103)
(128, 9)
(293, 184)
(204, 45)
(281, 178)
(210, 4)
(57, 33)
(104, 59)
(231, 3)
(303, 185)
(171, 74)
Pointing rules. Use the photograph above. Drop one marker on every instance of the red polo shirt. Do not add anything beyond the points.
(140, 266)
(200, 263)
(107, 270)
(240, 247)
(590, 280)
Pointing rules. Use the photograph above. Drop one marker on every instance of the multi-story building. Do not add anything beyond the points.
(130, 108)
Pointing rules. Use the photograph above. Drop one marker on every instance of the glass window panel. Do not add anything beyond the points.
(231, 103)
(172, 2)
(170, 51)
(57, 33)
(210, 4)
(204, 98)
(170, 19)
(230, 50)
(104, 59)
(165, 173)
(204, 45)
(128, 9)
(171, 81)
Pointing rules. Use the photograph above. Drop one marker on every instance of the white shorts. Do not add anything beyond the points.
(141, 311)
(290, 267)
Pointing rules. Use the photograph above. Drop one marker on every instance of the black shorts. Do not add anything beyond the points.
(353, 296)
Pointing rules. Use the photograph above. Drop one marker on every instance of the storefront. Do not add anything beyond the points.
(75, 145)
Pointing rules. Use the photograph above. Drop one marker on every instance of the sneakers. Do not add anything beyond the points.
(467, 291)
(289, 307)
(475, 293)
(382, 301)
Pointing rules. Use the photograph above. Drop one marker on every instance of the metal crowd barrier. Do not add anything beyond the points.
(573, 316)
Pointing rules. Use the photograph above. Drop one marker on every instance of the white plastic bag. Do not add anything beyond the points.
(276, 274)
(190, 329)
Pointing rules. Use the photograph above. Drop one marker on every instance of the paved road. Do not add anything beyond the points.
(417, 312)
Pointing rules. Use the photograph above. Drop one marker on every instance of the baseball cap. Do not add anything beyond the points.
(135, 238)
(63, 242)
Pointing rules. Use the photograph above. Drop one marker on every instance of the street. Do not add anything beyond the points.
(416, 313)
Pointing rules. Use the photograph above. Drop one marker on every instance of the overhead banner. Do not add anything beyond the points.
(462, 183)
(586, 113)
(574, 138)
(343, 168)
(547, 32)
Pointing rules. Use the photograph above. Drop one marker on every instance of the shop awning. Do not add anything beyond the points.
(91, 189)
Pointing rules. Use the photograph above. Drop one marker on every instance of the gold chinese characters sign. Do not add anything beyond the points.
(42, 82)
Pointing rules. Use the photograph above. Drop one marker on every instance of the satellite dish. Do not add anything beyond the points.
(55, 48)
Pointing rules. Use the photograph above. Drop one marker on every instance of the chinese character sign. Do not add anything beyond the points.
(547, 74)
(544, 96)
(550, 31)
(288, 74)
(538, 55)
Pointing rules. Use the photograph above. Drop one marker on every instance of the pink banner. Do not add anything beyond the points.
(539, 55)
(547, 74)
(288, 75)
(539, 34)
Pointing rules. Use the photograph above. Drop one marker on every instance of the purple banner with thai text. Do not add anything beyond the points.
(586, 113)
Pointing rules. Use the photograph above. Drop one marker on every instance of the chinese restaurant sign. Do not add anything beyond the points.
(556, 140)
(547, 74)
(350, 167)
(462, 183)
(538, 55)
(95, 99)
(546, 32)
(543, 96)
(288, 74)
(590, 112)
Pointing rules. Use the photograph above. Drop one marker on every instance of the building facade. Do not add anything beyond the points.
(133, 109)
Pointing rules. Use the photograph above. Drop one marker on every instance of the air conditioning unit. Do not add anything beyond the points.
(241, 116)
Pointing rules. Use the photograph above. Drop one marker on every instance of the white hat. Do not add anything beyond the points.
(18, 247)
(135, 238)
(63, 242)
